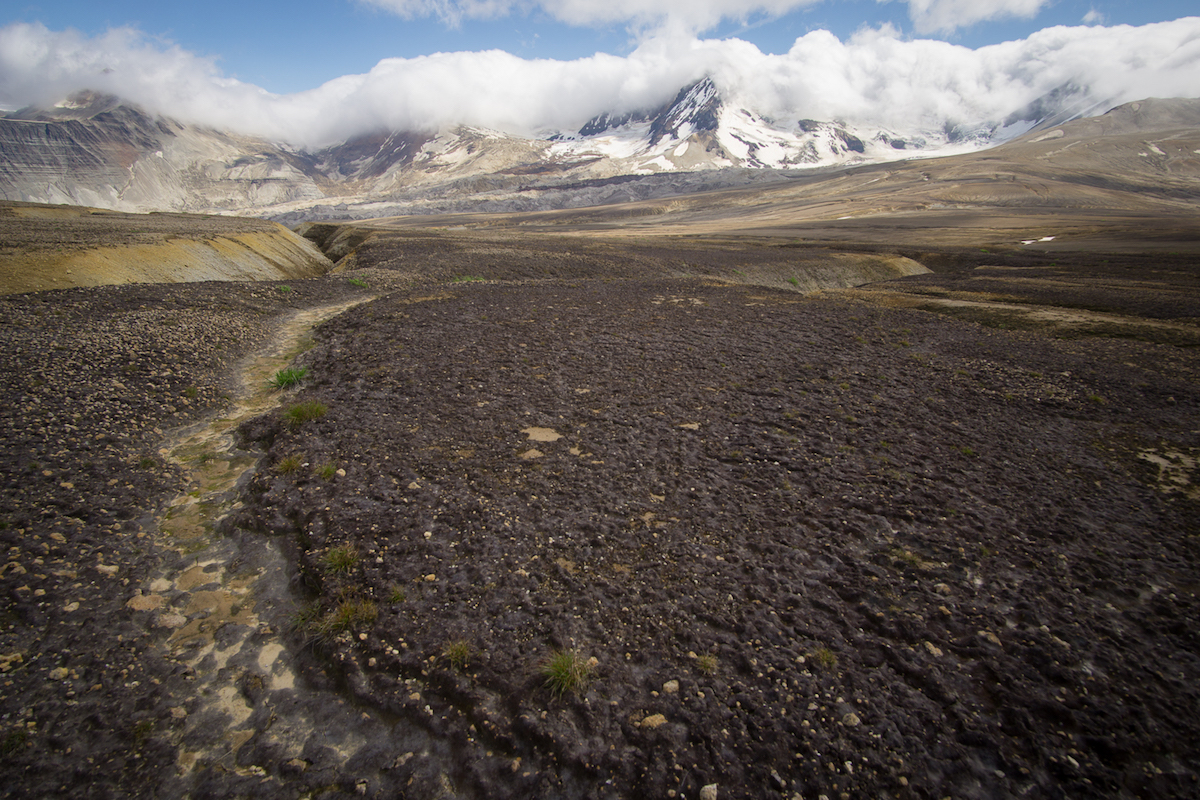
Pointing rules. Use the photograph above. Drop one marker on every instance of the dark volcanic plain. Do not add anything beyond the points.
(932, 537)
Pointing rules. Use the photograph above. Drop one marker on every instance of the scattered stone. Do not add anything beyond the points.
(145, 602)
(851, 720)
(933, 649)
(991, 637)
(671, 687)
(709, 792)
(653, 721)
(542, 434)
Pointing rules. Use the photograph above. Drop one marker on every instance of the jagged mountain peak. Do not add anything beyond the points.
(696, 107)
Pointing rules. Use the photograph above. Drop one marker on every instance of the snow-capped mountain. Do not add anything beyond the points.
(95, 150)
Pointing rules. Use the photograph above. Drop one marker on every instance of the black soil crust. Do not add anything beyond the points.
(797, 545)
(808, 546)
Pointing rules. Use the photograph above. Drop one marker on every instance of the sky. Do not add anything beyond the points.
(315, 72)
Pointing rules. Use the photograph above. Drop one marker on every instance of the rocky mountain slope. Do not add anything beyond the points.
(97, 151)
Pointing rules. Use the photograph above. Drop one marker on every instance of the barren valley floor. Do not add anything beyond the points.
(923, 538)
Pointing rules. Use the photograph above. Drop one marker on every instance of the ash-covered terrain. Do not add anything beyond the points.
(573, 531)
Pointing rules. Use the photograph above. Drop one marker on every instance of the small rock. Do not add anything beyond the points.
(933, 649)
(107, 569)
(69, 607)
(145, 602)
(851, 720)
(991, 637)
(654, 721)
(59, 674)
(709, 792)
(671, 687)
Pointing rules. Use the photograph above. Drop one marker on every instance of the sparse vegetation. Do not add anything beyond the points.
(359, 282)
(285, 289)
(287, 378)
(706, 664)
(340, 559)
(825, 658)
(288, 465)
(566, 671)
(349, 614)
(14, 742)
(305, 412)
(458, 652)
(326, 471)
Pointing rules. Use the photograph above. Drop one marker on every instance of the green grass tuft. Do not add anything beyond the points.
(288, 465)
(340, 559)
(566, 671)
(305, 412)
(287, 378)
(458, 652)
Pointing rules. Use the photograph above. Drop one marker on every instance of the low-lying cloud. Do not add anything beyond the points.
(875, 77)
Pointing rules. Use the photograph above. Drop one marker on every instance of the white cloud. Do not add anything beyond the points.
(931, 16)
(874, 77)
(1094, 17)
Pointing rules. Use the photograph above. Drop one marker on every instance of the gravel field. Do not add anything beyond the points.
(648, 536)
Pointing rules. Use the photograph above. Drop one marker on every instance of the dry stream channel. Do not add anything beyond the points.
(228, 606)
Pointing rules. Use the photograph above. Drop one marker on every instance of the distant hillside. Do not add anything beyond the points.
(96, 150)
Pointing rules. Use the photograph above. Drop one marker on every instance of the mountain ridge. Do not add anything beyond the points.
(99, 151)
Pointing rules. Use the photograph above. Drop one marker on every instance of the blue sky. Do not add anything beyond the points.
(294, 46)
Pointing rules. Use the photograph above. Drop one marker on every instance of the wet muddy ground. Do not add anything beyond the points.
(636, 537)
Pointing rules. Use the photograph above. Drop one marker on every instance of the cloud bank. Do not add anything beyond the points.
(875, 77)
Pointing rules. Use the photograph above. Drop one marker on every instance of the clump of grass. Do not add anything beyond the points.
(191, 392)
(349, 614)
(359, 282)
(397, 595)
(340, 559)
(305, 412)
(147, 463)
(326, 471)
(467, 279)
(567, 671)
(288, 464)
(458, 652)
(285, 289)
(706, 664)
(142, 730)
(824, 657)
(14, 742)
(794, 281)
(287, 378)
